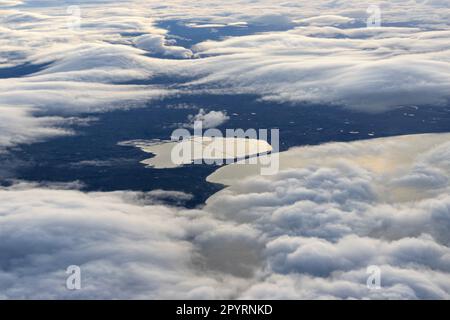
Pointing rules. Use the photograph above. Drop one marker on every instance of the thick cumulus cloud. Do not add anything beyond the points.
(126, 245)
(307, 232)
(327, 223)
(115, 244)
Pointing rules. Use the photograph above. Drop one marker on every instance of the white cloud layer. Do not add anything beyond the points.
(389, 69)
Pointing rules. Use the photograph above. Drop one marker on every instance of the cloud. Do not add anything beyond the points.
(366, 74)
(10, 2)
(129, 248)
(328, 20)
(275, 19)
(211, 119)
(106, 251)
(325, 224)
(19, 126)
(305, 233)
(159, 45)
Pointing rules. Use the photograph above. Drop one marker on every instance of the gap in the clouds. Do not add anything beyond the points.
(187, 36)
(166, 80)
(21, 70)
(94, 157)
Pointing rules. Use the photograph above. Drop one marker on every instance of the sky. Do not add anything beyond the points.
(308, 232)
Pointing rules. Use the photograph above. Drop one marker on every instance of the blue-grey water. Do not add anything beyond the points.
(94, 157)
